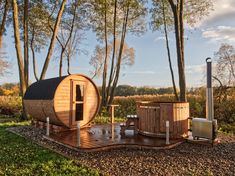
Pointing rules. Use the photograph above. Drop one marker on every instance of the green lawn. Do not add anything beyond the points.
(19, 156)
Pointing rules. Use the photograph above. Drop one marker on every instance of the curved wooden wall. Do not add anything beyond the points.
(59, 109)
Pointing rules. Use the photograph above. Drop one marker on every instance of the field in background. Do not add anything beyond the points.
(10, 106)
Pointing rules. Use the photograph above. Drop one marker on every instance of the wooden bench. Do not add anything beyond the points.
(132, 123)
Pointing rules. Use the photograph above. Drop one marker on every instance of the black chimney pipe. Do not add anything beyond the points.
(209, 97)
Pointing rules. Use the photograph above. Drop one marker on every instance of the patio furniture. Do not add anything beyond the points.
(132, 123)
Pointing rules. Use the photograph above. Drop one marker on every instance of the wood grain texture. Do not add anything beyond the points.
(61, 109)
(153, 117)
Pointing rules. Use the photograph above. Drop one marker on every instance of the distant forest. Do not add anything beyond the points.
(12, 89)
(127, 90)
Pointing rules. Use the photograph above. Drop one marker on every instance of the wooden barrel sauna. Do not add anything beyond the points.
(153, 117)
(65, 100)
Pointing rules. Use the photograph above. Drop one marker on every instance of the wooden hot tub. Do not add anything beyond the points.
(153, 117)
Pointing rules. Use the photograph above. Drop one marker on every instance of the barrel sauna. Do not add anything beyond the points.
(153, 116)
(65, 100)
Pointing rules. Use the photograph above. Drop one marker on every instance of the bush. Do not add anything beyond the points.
(10, 105)
(227, 128)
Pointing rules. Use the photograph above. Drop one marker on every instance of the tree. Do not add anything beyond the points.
(23, 61)
(4, 6)
(97, 60)
(53, 39)
(125, 90)
(157, 21)
(39, 31)
(225, 70)
(26, 42)
(18, 47)
(177, 13)
(69, 35)
(116, 19)
(4, 65)
(225, 66)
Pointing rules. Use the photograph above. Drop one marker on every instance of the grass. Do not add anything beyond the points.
(107, 120)
(19, 156)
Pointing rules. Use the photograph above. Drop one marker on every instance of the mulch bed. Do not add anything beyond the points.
(185, 159)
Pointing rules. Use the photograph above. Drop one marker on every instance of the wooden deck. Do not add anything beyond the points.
(100, 137)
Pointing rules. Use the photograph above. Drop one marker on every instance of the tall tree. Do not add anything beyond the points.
(5, 7)
(168, 51)
(69, 35)
(38, 30)
(18, 47)
(53, 39)
(177, 13)
(23, 61)
(178, 9)
(117, 19)
(161, 16)
(23, 85)
(26, 44)
(225, 65)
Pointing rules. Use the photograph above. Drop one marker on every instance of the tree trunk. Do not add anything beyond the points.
(111, 75)
(19, 54)
(182, 75)
(68, 65)
(18, 47)
(63, 48)
(61, 61)
(103, 91)
(124, 27)
(179, 31)
(33, 55)
(3, 23)
(26, 46)
(169, 53)
(52, 43)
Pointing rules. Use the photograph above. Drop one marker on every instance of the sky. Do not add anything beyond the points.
(151, 65)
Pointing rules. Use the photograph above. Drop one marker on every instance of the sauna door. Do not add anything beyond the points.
(78, 88)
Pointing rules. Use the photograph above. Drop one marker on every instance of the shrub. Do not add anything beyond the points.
(10, 105)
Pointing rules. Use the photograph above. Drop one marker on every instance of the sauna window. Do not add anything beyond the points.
(79, 93)
(79, 112)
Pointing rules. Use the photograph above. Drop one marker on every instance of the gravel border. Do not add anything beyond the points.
(185, 159)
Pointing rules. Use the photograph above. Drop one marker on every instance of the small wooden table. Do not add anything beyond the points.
(131, 123)
(112, 110)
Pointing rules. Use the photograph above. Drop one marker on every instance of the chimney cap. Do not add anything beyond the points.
(208, 59)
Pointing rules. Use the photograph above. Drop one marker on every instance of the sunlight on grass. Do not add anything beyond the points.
(19, 156)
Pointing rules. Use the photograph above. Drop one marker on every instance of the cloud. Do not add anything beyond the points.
(220, 33)
(224, 12)
(169, 38)
(159, 38)
(195, 69)
(140, 72)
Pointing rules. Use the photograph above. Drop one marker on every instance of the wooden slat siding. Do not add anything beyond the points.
(62, 102)
(176, 113)
(176, 110)
(63, 96)
(166, 113)
(59, 108)
(40, 109)
(157, 116)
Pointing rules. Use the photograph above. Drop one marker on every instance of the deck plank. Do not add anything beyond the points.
(99, 136)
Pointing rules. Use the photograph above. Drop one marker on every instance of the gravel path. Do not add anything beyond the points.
(186, 159)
